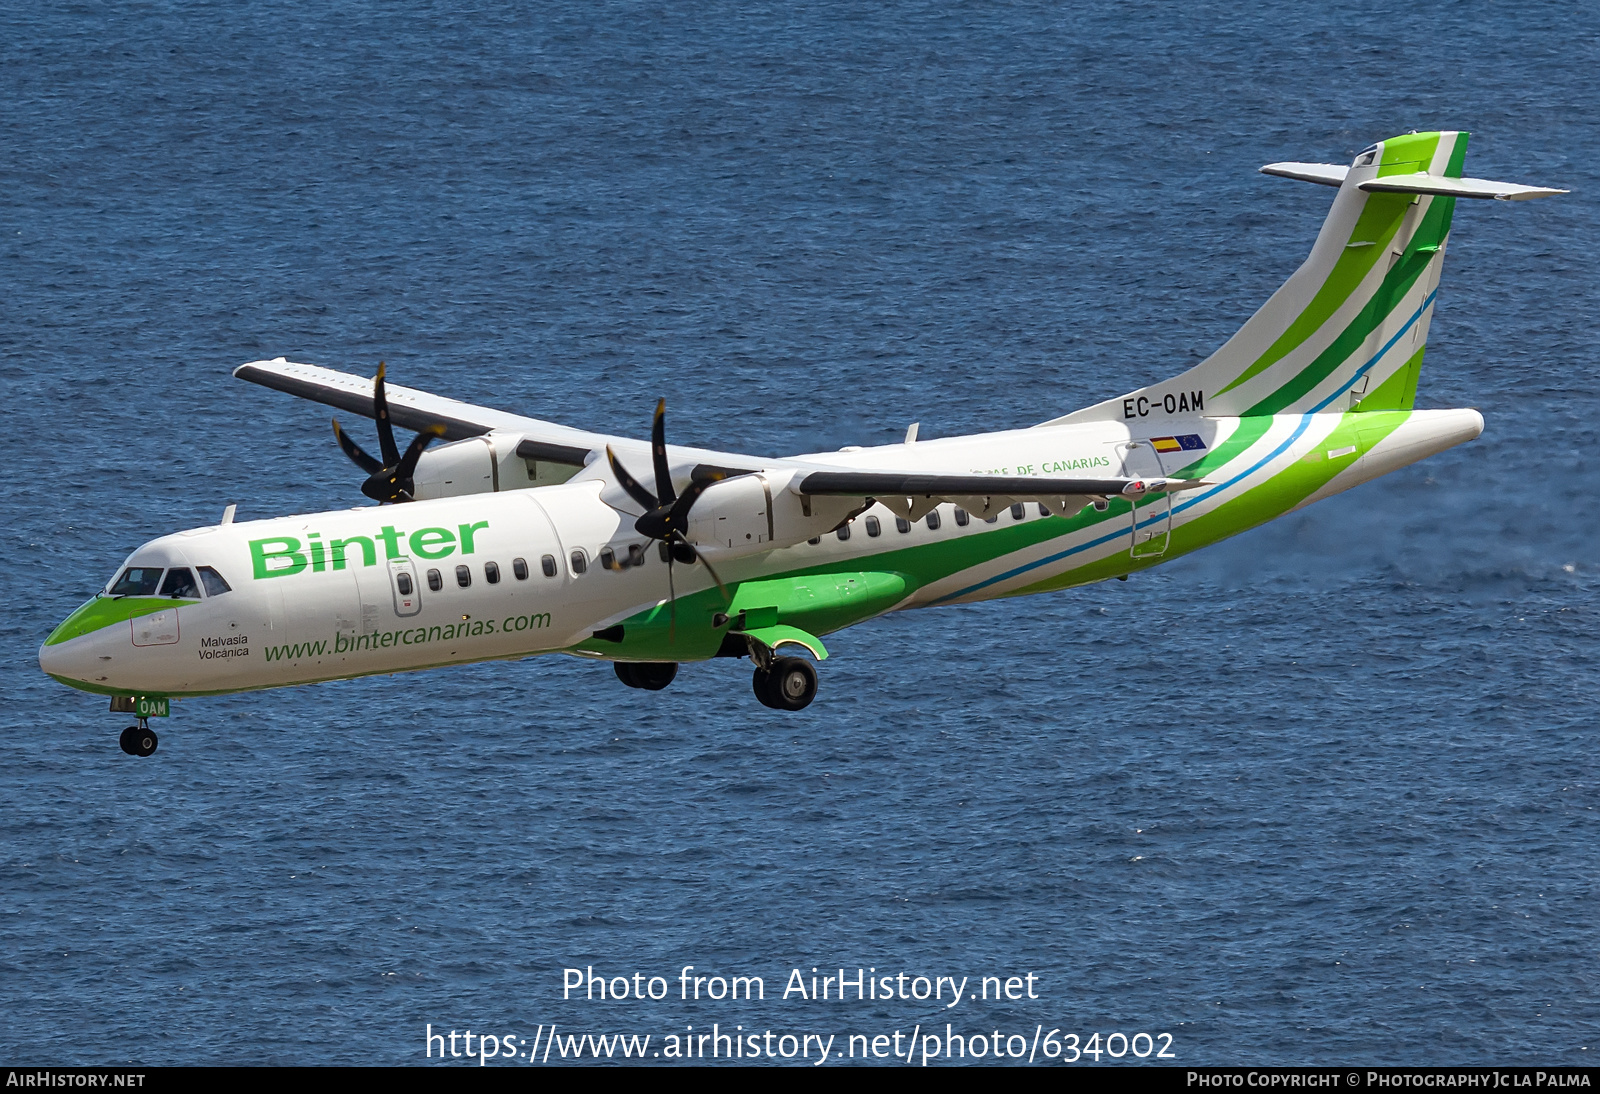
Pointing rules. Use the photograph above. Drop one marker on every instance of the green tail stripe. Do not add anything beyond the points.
(1398, 392)
(1380, 219)
(1423, 249)
(1410, 153)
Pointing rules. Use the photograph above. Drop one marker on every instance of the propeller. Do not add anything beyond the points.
(389, 479)
(666, 512)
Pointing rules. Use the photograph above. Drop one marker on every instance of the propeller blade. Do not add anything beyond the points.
(721, 588)
(395, 484)
(658, 455)
(353, 450)
(664, 522)
(631, 484)
(672, 602)
(380, 406)
(408, 462)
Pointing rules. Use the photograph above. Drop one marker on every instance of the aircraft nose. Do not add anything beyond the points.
(70, 655)
(58, 661)
(68, 660)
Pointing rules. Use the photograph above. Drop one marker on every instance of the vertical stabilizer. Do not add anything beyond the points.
(1351, 323)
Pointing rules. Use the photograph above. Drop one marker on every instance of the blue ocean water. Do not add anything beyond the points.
(1322, 793)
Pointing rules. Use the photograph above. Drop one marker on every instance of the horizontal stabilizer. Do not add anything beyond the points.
(1422, 183)
(1327, 174)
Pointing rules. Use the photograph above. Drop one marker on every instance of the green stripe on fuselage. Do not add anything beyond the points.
(1273, 498)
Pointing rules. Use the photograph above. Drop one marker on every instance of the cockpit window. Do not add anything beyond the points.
(180, 584)
(213, 581)
(137, 581)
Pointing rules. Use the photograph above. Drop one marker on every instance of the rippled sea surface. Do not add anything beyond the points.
(1326, 792)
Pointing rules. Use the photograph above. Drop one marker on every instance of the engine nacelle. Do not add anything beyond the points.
(751, 513)
(494, 461)
(460, 467)
(732, 517)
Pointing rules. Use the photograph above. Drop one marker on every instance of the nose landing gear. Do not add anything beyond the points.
(139, 740)
(647, 675)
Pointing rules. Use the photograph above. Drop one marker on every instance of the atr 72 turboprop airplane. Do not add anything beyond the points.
(522, 537)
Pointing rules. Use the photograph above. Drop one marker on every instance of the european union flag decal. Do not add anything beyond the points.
(1189, 442)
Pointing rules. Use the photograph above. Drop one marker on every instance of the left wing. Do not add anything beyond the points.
(409, 408)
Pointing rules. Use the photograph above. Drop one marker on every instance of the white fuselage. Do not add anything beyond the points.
(519, 572)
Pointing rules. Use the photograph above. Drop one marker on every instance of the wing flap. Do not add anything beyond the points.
(864, 484)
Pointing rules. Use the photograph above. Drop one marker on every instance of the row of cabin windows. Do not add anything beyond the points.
(180, 583)
(491, 574)
(934, 521)
(610, 558)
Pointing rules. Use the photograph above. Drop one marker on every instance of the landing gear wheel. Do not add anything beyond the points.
(648, 675)
(138, 742)
(791, 684)
(761, 684)
(654, 675)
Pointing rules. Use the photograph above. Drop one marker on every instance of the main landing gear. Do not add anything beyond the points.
(789, 684)
(648, 675)
(139, 740)
(785, 683)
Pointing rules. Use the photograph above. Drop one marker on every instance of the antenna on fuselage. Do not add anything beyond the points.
(227, 515)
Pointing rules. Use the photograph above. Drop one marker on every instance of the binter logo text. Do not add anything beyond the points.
(282, 556)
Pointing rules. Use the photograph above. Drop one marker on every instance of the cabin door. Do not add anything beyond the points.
(1151, 516)
(403, 584)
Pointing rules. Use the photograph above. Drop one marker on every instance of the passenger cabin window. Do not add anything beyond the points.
(519, 567)
(435, 580)
(403, 583)
(491, 572)
(933, 519)
(843, 531)
(548, 564)
(902, 524)
(1018, 511)
(1043, 512)
(463, 576)
(608, 559)
(874, 528)
(962, 517)
(580, 562)
(635, 554)
(663, 550)
(138, 581)
(814, 540)
(213, 581)
(180, 584)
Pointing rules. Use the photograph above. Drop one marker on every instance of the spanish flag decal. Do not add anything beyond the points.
(1189, 442)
